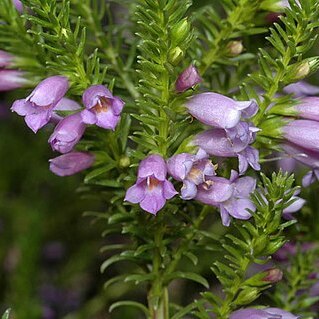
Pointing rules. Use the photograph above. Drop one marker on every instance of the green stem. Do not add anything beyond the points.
(184, 246)
(107, 48)
(158, 299)
(234, 19)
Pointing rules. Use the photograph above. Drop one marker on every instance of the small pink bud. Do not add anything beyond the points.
(273, 275)
(234, 48)
(187, 79)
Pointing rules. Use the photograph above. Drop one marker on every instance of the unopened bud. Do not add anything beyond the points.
(298, 71)
(180, 31)
(303, 70)
(247, 296)
(124, 161)
(175, 55)
(234, 48)
(272, 275)
(187, 79)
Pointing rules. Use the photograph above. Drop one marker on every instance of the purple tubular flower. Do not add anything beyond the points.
(308, 108)
(192, 170)
(37, 107)
(306, 157)
(231, 196)
(67, 133)
(187, 79)
(231, 143)
(215, 191)
(266, 313)
(304, 133)
(71, 163)
(151, 189)
(11, 80)
(5, 59)
(301, 89)
(239, 204)
(18, 5)
(102, 108)
(219, 111)
(294, 207)
(314, 290)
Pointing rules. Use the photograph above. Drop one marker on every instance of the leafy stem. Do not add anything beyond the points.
(104, 43)
(234, 21)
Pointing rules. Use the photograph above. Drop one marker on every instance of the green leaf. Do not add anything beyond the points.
(187, 275)
(6, 315)
(128, 303)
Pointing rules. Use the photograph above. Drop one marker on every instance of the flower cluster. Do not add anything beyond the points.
(229, 134)
(43, 106)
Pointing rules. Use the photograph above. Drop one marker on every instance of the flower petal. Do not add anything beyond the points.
(153, 200)
(168, 190)
(189, 190)
(37, 121)
(22, 107)
(135, 193)
(153, 165)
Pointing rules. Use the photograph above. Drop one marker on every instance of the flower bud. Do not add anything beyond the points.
(298, 71)
(180, 31)
(124, 161)
(272, 275)
(175, 55)
(187, 79)
(18, 5)
(71, 163)
(234, 48)
(247, 296)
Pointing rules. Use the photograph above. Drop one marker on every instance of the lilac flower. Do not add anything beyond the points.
(192, 170)
(306, 157)
(301, 89)
(308, 108)
(231, 143)
(219, 111)
(151, 189)
(18, 5)
(294, 207)
(314, 290)
(266, 313)
(67, 133)
(71, 163)
(304, 133)
(239, 204)
(187, 79)
(102, 108)
(37, 107)
(230, 196)
(11, 80)
(5, 59)
(290, 249)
